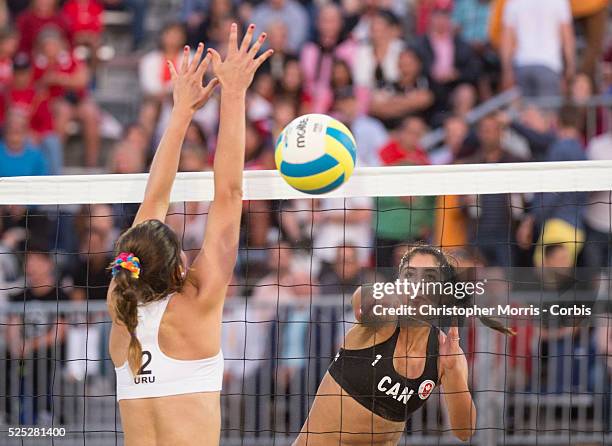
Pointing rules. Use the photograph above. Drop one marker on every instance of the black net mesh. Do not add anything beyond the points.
(289, 308)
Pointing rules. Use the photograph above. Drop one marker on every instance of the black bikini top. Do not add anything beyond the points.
(368, 375)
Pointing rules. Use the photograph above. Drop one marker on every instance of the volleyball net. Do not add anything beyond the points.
(289, 305)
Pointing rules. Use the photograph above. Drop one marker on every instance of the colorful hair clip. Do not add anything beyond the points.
(127, 260)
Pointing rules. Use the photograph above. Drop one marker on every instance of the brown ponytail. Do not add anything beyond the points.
(128, 293)
(159, 252)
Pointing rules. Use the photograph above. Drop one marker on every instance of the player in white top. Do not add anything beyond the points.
(166, 316)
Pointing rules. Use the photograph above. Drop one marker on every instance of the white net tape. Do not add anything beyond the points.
(460, 179)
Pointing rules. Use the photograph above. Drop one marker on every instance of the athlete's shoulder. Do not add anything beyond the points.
(361, 336)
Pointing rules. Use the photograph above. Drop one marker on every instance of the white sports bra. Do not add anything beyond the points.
(160, 375)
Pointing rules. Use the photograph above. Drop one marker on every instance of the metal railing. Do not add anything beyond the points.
(597, 113)
(534, 388)
(496, 103)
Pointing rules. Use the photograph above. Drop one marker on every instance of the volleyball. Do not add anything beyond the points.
(315, 154)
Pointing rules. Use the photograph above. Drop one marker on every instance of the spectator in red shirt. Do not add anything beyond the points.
(39, 15)
(23, 94)
(66, 81)
(405, 148)
(84, 17)
(34, 104)
(8, 47)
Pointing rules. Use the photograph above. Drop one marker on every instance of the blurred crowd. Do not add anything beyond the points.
(392, 70)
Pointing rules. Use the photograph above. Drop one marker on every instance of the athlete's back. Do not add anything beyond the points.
(171, 400)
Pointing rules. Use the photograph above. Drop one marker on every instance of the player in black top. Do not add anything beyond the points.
(384, 374)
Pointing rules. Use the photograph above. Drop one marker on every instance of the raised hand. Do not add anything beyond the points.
(189, 92)
(237, 70)
(452, 359)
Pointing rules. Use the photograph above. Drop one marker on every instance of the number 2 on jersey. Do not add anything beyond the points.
(145, 363)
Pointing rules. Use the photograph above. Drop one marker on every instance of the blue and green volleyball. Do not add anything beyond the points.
(315, 154)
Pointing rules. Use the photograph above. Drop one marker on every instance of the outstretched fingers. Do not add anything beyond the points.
(211, 86)
(238, 68)
(204, 65)
(215, 58)
(257, 45)
(247, 39)
(453, 334)
(441, 338)
(233, 39)
(185, 61)
(261, 59)
(173, 73)
(197, 59)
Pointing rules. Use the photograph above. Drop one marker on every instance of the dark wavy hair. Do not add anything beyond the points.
(159, 251)
(448, 266)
